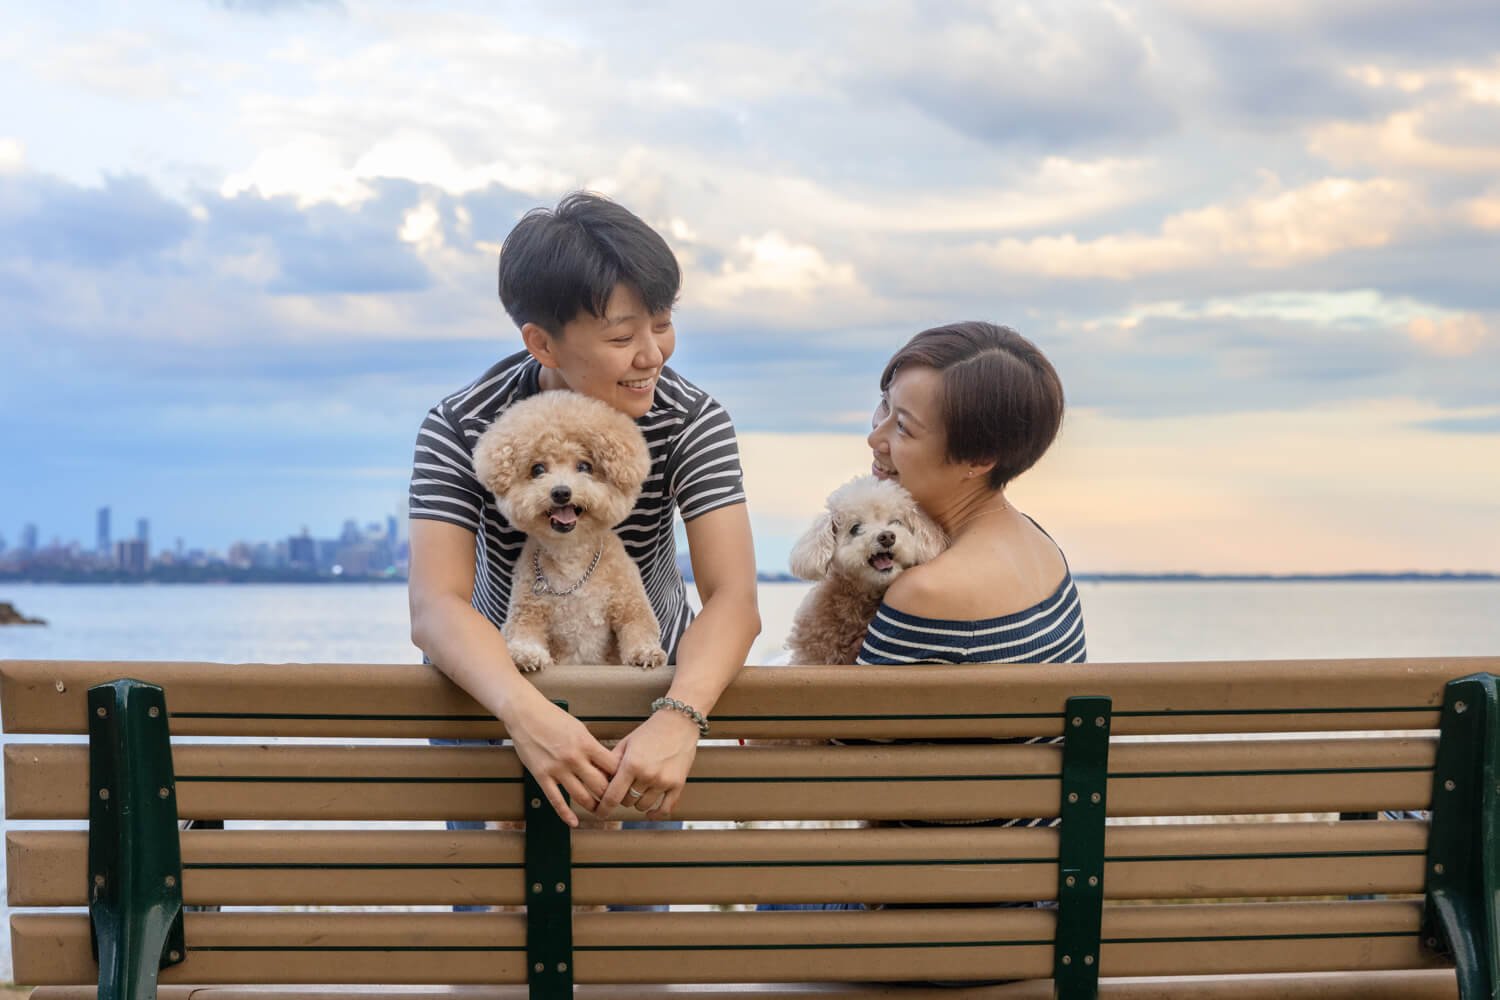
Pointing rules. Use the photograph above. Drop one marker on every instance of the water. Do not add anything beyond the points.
(367, 623)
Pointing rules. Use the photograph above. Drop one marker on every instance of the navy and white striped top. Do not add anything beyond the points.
(1050, 631)
(695, 468)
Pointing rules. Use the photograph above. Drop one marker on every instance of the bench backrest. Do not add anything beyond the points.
(1295, 743)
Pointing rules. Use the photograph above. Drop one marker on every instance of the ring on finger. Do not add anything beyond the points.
(633, 794)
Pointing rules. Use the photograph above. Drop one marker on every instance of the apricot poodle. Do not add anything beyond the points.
(869, 534)
(566, 468)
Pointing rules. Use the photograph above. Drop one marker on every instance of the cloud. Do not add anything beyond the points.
(1484, 211)
(1270, 231)
(1399, 141)
(117, 64)
(770, 264)
(325, 248)
(1481, 424)
(12, 155)
(1283, 63)
(1386, 28)
(123, 219)
(277, 6)
(1451, 336)
(315, 169)
(1057, 77)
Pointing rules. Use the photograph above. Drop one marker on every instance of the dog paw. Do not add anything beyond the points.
(647, 657)
(530, 658)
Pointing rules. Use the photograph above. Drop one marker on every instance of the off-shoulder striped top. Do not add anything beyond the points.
(1050, 631)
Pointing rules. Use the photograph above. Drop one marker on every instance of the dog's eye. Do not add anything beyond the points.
(538, 470)
(854, 529)
(585, 467)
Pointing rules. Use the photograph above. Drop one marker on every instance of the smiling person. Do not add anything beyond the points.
(591, 288)
(965, 409)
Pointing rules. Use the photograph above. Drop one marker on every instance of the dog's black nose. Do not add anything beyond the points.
(561, 495)
(886, 539)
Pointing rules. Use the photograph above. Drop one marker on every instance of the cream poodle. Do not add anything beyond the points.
(566, 468)
(870, 533)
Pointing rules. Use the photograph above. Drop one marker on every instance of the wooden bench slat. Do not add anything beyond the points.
(322, 782)
(424, 867)
(697, 947)
(389, 700)
(1415, 984)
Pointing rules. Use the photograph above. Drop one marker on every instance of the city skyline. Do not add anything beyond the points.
(244, 246)
(141, 532)
(371, 549)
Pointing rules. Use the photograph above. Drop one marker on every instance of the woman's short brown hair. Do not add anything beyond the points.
(1002, 400)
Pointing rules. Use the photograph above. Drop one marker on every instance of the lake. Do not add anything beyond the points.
(367, 623)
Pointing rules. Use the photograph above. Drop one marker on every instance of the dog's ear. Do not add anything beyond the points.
(813, 553)
(930, 539)
(495, 459)
(621, 457)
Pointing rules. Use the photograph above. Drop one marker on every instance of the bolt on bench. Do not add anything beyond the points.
(1224, 908)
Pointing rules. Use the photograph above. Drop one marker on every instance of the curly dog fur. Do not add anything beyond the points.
(869, 534)
(565, 469)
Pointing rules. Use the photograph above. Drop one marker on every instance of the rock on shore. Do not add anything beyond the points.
(10, 616)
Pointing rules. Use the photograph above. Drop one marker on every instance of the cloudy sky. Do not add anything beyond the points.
(244, 245)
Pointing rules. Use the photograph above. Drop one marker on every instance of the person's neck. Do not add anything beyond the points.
(550, 379)
(969, 510)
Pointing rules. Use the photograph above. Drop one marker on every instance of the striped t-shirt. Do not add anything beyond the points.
(695, 468)
(1050, 631)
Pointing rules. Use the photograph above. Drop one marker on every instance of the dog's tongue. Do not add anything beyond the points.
(564, 514)
(882, 561)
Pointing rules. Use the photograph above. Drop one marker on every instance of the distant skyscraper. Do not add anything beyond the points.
(143, 530)
(302, 552)
(130, 555)
(28, 539)
(103, 545)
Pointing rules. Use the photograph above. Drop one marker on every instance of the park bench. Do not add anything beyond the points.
(1253, 900)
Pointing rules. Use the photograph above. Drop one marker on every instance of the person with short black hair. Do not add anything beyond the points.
(965, 409)
(592, 288)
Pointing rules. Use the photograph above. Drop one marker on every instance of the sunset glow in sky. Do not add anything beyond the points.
(244, 245)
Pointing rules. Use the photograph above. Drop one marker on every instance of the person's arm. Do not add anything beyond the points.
(654, 759)
(555, 747)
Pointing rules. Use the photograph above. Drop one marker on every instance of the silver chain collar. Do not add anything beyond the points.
(540, 584)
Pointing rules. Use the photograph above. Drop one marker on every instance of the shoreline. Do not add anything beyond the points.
(240, 580)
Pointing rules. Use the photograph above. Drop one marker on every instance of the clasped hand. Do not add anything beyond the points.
(645, 771)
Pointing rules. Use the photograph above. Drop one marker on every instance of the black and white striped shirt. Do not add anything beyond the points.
(1050, 631)
(695, 468)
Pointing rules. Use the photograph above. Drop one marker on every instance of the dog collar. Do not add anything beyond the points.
(541, 586)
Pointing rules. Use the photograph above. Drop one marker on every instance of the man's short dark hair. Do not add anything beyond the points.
(1002, 400)
(558, 263)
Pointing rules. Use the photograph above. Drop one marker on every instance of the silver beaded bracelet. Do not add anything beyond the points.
(685, 709)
